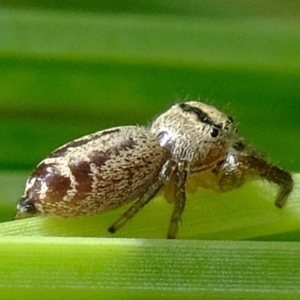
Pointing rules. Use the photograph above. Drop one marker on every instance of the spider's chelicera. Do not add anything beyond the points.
(189, 146)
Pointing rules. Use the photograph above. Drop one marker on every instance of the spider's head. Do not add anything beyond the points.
(195, 132)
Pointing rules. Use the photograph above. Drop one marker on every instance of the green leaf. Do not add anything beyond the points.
(144, 269)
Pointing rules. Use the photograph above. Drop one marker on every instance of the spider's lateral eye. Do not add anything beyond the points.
(215, 132)
(239, 146)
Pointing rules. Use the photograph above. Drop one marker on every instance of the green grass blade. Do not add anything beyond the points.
(144, 269)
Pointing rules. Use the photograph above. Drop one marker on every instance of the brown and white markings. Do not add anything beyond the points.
(189, 146)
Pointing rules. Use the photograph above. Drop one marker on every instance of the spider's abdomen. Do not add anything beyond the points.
(95, 173)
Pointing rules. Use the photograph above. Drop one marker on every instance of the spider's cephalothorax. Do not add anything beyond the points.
(195, 133)
(190, 145)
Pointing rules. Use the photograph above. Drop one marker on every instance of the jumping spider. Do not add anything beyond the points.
(192, 144)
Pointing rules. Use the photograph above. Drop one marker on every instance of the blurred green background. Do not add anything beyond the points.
(72, 67)
(69, 68)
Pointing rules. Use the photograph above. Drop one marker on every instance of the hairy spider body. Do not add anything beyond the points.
(190, 145)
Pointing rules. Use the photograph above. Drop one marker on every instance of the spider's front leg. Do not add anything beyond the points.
(237, 167)
(258, 166)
